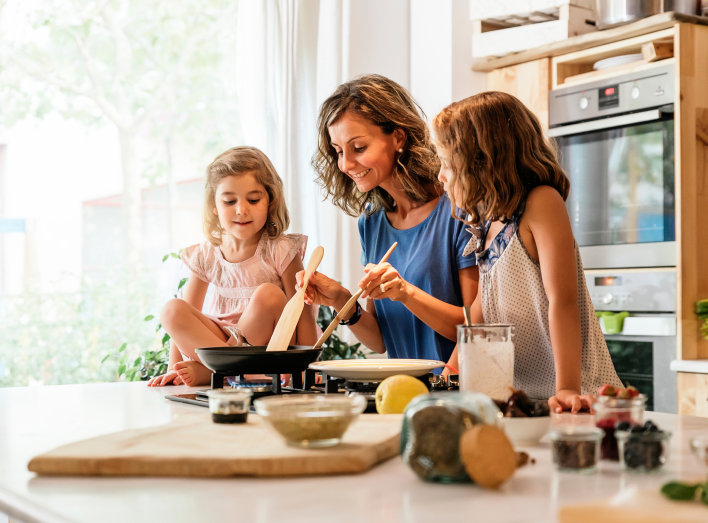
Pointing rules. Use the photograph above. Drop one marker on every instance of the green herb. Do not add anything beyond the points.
(685, 492)
(702, 313)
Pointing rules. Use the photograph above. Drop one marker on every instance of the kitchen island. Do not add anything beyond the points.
(38, 419)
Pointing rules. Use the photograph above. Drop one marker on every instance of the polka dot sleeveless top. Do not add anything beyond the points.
(512, 291)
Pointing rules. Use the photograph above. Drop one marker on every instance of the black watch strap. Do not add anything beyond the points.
(355, 317)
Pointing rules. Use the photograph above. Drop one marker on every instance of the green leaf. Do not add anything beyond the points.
(174, 255)
(181, 251)
(122, 347)
(704, 493)
(104, 359)
(164, 258)
(124, 359)
(121, 370)
(159, 326)
(137, 361)
(181, 283)
(679, 491)
(165, 338)
(149, 317)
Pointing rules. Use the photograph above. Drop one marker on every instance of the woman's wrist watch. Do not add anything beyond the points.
(354, 318)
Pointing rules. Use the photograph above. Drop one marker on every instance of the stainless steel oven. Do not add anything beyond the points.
(616, 144)
(643, 349)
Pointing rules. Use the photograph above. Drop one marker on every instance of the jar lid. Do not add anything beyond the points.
(576, 434)
(234, 394)
(643, 436)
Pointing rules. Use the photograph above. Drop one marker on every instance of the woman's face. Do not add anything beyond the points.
(365, 153)
(445, 175)
(242, 205)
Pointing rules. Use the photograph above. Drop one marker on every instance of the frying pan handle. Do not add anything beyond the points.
(315, 259)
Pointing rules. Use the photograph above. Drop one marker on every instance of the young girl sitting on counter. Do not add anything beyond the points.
(498, 167)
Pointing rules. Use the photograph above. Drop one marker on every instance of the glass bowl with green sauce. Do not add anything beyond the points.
(310, 421)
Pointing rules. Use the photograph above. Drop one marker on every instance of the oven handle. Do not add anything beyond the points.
(605, 123)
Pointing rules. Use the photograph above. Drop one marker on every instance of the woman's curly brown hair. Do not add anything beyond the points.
(498, 153)
(389, 106)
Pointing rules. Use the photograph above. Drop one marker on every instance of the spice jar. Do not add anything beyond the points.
(432, 427)
(576, 449)
(229, 405)
(608, 412)
(486, 356)
(645, 452)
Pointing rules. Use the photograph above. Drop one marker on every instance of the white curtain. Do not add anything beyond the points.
(291, 55)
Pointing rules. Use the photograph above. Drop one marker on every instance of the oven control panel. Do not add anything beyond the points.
(640, 291)
(612, 96)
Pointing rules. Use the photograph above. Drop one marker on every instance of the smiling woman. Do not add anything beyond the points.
(375, 160)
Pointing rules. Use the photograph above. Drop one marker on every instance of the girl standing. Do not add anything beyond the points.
(497, 166)
(247, 259)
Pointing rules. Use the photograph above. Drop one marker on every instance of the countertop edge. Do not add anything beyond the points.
(17, 507)
(695, 366)
(588, 40)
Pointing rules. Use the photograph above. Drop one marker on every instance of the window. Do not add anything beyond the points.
(110, 113)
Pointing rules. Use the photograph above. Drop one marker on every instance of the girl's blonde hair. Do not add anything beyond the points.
(388, 105)
(235, 162)
(498, 154)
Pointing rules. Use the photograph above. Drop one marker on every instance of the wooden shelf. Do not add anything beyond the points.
(578, 43)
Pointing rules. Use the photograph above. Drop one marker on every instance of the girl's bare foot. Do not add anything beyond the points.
(193, 373)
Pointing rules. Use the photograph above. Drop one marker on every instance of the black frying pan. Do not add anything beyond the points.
(235, 361)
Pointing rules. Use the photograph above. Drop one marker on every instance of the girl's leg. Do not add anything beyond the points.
(189, 328)
(261, 316)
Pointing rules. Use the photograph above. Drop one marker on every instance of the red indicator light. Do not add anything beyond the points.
(609, 91)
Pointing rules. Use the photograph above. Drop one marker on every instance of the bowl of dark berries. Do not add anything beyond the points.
(615, 405)
(526, 421)
(642, 448)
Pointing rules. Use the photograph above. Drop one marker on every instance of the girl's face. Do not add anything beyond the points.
(445, 175)
(242, 205)
(365, 153)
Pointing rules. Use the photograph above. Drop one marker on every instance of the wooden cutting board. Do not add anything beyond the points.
(193, 446)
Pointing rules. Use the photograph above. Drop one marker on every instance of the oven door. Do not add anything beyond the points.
(621, 201)
(644, 361)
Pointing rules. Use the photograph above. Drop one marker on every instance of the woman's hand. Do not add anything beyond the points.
(571, 400)
(384, 282)
(169, 378)
(322, 290)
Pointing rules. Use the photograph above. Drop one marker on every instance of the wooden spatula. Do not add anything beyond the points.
(283, 332)
(347, 306)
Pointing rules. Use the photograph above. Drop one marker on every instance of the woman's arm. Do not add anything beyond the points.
(442, 317)
(548, 236)
(306, 331)
(322, 290)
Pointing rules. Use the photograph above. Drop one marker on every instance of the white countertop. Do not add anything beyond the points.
(698, 366)
(38, 419)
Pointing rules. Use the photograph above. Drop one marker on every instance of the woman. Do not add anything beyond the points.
(375, 159)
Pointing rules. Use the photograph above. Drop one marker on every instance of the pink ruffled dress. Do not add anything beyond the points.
(234, 283)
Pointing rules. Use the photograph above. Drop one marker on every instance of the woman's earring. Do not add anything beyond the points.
(400, 150)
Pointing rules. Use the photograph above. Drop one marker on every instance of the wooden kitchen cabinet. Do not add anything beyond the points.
(529, 82)
(693, 394)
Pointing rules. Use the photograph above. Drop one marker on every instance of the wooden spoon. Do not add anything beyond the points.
(348, 305)
(287, 323)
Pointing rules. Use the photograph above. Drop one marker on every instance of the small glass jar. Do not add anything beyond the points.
(486, 359)
(229, 405)
(609, 411)
(576, 449)
(432, 427)
(699, 447)
(645, 452)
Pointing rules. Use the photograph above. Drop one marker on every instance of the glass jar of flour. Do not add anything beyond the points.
(486, 358)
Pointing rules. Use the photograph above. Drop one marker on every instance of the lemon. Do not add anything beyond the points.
(395, 392)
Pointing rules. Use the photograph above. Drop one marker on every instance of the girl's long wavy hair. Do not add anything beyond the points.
(389, 106)
(236, 162)
(498, 153)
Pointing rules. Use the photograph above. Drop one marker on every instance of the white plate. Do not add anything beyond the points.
(617, 60)
(375, 369)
